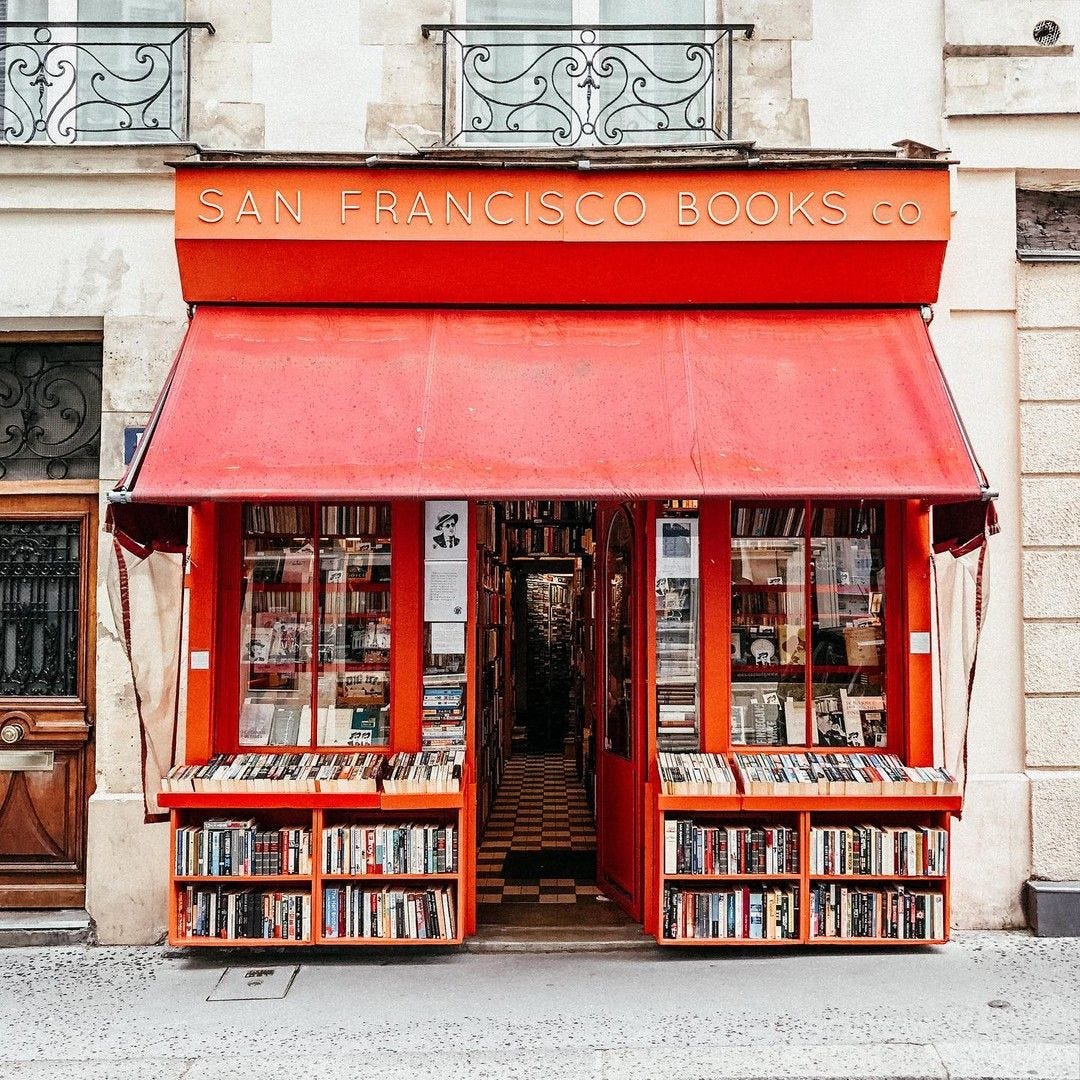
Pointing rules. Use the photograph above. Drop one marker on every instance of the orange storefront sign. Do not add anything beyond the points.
(350, 234)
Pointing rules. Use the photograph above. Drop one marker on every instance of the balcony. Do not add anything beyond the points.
(95, 82)
(544, 85)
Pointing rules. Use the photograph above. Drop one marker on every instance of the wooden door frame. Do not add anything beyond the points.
(66, 723)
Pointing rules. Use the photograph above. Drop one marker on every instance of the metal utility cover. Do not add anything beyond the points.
(253, 983)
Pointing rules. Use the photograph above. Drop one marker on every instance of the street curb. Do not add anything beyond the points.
(986, 1060)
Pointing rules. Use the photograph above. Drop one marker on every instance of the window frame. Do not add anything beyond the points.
(910, 727)
(218, 587)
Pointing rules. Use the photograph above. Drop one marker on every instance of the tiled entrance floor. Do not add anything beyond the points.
(539, 806)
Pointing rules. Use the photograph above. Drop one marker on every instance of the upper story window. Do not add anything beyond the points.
(99, 71)
(586, 73)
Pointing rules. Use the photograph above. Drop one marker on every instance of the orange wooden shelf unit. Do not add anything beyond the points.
(316, 810)
(802, 812)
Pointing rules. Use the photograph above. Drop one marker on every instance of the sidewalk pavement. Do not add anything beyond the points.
(996, 1006)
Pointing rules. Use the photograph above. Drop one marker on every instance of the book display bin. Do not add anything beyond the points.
(410, 907)
(808, 905)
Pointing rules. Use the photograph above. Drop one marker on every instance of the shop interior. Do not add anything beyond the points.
(536, 860)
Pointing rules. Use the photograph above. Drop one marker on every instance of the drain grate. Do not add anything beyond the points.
(253, 983)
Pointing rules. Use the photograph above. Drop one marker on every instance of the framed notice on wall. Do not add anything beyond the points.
(446, 531)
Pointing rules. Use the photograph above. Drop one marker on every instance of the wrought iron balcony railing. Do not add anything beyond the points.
(586, 85)
(95, 82)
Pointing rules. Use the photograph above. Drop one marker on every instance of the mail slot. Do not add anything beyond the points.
(26, 760)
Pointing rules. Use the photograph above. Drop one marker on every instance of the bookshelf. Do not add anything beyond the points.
(491, 656)
(811, 902)
(396, 882)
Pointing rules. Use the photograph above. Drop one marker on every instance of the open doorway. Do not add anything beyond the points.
(537, 855)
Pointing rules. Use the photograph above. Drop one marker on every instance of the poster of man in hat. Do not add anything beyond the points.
(446, 530)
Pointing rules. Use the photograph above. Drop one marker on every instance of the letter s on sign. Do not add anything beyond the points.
(212, 205)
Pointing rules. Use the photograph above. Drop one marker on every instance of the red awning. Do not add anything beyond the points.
(333, 403)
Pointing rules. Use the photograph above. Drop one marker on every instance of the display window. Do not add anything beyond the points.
(315, 625)
(808, 656)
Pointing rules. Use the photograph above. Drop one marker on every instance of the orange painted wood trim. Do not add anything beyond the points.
(714, 568)
(225, 660)
(202, 604)
(407, 626)
(919, 681)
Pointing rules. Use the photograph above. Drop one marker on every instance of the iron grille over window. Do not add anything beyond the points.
(39, 608)
(586, 85)
(50, 411)
(103, 82)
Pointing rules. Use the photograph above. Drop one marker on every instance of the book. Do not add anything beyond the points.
(838, 774)
(339, 772)
(359, 911)
(691, 773)
(407, 848)
(285, 724)
(256, 721)
(767, 913)
(893, 913)
(694, 847)
(245, 914)
(883, 851)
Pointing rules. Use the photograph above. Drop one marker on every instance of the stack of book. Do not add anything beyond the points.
(429, 772)
(837, 911)
(695, 774)
(444, 717)
(839, 774)
(243, 915)
(389, 849)
(884, 851)
(228, 848)
(355, 911)
(692, 848)
(676, 710)
(279, 772)
(763, 914)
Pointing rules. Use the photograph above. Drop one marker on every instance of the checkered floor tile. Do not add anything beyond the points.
(540, 805)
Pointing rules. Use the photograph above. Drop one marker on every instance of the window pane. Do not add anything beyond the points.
(130, 79)
(354, 625)
(619, 650)
(847, 552)
(50, 411)
(39, 608)
(276, 626)
(656, 83)
(768, 625)
(678, 631)
(515, 86)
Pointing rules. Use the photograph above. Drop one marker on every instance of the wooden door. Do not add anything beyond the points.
(48, 552)
(619, 705)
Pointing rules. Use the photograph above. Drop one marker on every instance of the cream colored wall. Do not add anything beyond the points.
(87, 235)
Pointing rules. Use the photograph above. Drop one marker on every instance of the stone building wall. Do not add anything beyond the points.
(1048, 326)
(95, 232)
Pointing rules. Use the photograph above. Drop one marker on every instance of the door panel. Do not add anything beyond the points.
(47, 550)
(619, 795)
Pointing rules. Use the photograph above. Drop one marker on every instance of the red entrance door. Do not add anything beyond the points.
(619, 750)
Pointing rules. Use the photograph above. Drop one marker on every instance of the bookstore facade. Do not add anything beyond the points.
(653, 469)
